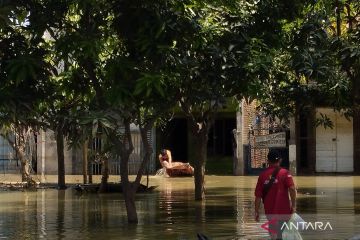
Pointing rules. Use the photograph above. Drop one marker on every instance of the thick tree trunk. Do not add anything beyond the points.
(356, 137)
(128, 190)
(19, 147)
(125, 148)
(356, 122)
(25, 167)
(201, 140)
(105, 175)
(129, 195)
(61, 160)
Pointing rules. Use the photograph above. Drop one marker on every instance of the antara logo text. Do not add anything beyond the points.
(314, 226)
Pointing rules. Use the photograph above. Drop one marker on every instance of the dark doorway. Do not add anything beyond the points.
(175, 139)
(220, 137)
(305, 143)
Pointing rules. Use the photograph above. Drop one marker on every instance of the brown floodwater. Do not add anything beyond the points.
(170, 212)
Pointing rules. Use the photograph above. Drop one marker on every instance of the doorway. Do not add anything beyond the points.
(176, 140)
(221, 137)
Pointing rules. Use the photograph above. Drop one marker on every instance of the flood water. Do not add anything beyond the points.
(170, 212)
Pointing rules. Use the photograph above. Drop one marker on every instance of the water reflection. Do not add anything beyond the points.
(171, 213)
(42, 215)
(60, 216)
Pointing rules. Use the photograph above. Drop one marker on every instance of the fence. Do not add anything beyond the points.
(10, 164)
(135, 158)
(8, 161)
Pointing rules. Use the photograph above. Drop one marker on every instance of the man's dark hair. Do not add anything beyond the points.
(273, 156)
(163, 151)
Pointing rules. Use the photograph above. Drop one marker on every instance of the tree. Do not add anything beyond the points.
(23, 73)
(146, 76)
(227, 55)
(319, 65)
(126, 83)
(348, 50)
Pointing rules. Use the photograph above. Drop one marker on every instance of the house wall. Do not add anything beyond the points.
(334, 146)
(311, 149)
(47, 155)
(251, 122)
(258, 125)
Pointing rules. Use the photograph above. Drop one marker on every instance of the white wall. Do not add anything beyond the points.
(334, 147)
(51, 163)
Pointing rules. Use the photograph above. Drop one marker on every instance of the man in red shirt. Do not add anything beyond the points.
(278, 207)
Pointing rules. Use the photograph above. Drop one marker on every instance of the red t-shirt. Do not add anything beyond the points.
(277, 199)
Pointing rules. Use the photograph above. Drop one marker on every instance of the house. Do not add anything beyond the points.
(324, 149)
(256, 134)
(309, 149)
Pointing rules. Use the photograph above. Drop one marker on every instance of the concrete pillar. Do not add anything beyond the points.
(239, 159)
(292, 147)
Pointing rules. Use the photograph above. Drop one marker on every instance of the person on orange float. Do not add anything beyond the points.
(166, 162)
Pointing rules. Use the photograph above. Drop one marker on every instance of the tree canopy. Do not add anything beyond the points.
(80, 66)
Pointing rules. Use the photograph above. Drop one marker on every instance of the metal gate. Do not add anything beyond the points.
(135, 159)
(261, 140)
(8, 161)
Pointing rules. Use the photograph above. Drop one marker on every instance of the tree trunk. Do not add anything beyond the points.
(90, 172)
(356, 123)
(356, 139)
(25, 167)
(85, 161)
(201, 140)
(129, 190)
(146, 159)
(61, 159)
(338, 17)
(125, 148)
(19, 147)
(105, 175)
(129, 195)
(60, 217)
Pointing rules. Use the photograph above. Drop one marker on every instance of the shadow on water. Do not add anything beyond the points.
(171, 213)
